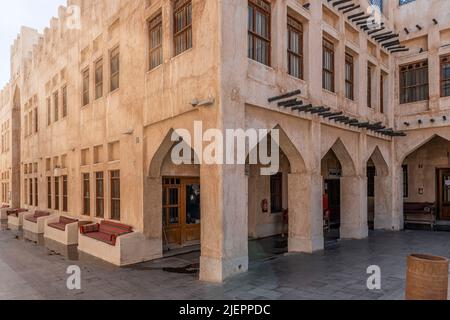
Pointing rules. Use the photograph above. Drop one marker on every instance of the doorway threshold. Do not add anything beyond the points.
(172, 252)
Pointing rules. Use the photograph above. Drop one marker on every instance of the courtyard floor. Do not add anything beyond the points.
(29, 270)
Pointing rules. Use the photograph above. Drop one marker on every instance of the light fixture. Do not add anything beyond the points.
(204, 103)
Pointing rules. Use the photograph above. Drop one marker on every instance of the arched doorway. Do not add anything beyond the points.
(279, 205)
(331, 171)
(348, 189)
(426, 185)
(379, 191)
(176, 193)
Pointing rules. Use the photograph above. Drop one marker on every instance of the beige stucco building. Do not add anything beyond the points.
(88, 115)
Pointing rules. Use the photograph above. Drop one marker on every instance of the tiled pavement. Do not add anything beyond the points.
(31, 271)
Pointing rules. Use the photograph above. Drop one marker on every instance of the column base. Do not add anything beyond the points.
(386, 224)
(217, 270)
(305, 245)
(354, 232)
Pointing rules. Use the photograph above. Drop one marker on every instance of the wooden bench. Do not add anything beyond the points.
(15, 217)
(117, 243)
(63, 230)
(420, 213)
(3, 211)
(34, 222)
(105, 231)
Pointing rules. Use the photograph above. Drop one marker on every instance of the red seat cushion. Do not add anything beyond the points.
(15, 212)
(89, 228)
(106, 231)
(103, 237)
(117, 225)
(40, 214)
(32, 219)
(65, 220)
(57, 225)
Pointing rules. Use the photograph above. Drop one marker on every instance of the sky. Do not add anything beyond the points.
(16, 13)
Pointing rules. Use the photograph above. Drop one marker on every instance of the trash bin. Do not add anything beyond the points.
(427, 277)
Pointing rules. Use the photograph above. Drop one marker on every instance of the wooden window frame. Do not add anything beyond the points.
(85, 95)
(65, 190)
(36, 120)
(349, 60)
(98, 80)
(186, 29)
(258, 6)
(328, 47)
(369, 86)
(444, 81)
(115, 200)
(276, 179)
(64, 101)
(56, 191)
(36, 192)
(86, 184)
(99, 198)
(155, 24)
(415, 66)
(30, 192)
(113, 54)
(405, 181)
(295, 26)
(49, 111)
(49, 193)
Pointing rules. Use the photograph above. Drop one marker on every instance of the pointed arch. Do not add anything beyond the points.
(380, 162)
(163, 151)
(286, 145)
(347, 163)
(417, 146)
(16, 102)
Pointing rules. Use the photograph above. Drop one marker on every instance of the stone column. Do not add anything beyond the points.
(224, 231)
(152, 217)
(383, 202)
(305, 212)
(397, 198)
(434, 66)
(354, 207)
(313, 45)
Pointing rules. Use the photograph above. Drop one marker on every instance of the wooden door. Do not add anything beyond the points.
(181, 211)
(444, 193)
(334, 199)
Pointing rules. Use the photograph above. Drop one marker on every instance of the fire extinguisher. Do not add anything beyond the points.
(265, 206)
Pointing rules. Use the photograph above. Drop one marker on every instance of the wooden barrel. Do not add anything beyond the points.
(427, 278)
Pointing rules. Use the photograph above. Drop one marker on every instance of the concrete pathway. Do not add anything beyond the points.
(31, 271)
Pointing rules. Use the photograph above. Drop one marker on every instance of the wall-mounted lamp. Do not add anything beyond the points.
(204, 103)
(128, 133)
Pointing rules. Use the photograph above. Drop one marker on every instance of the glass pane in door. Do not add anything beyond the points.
(446, 189)
(193, 204)
(173, 203)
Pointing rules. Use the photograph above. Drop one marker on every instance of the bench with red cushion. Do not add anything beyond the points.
(106, 231)
(61, 224)
(37, 215)
(15, 212)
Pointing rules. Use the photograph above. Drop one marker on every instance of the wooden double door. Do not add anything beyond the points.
(181, 211)
(443, 193)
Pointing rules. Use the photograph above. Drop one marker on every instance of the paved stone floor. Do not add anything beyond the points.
(31, 271)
